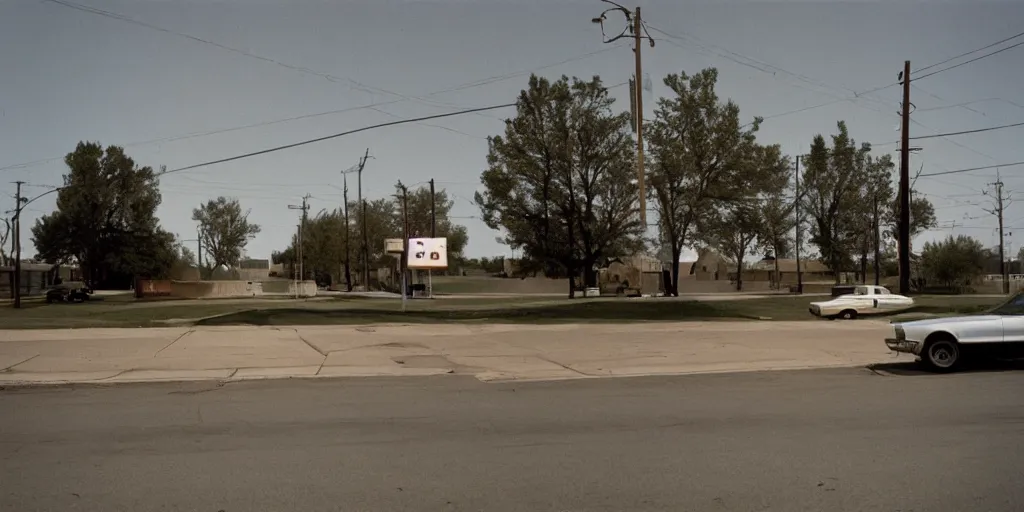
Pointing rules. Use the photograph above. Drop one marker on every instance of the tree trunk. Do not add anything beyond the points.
(572, 282)
(778, 275)
(676, 253)
(739, 273)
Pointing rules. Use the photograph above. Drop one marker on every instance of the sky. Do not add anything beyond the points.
(160, 83)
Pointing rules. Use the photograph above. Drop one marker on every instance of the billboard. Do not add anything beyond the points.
(428, 253)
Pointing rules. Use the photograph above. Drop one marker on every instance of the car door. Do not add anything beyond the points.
(1012, 314)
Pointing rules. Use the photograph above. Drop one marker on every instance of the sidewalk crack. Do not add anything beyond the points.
(571, 369)
(186, 333)
(11, 367)
(310, 345)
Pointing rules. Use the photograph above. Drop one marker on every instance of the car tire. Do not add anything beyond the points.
(942, 355)
(848, 314)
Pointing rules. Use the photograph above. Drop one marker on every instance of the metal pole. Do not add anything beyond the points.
(904, 234)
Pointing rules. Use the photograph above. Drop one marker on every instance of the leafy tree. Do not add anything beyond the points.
(874, 208)
(558, 182)
(224, 229)
(698, 157)
(733, 231)
(778, 222)
(106, 219)
(5, 233)
(833, 180)
(955, 262)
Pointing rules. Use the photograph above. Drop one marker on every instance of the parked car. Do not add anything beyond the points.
(68, 292)
(865, 300)
(941, 343)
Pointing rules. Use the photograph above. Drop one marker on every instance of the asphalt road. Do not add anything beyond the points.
(831, 440)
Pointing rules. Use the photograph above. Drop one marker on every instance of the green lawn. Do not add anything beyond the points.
(348, 310)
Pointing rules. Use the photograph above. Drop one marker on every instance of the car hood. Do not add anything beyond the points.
(931, 322)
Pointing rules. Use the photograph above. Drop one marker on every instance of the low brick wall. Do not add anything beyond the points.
(152, 288)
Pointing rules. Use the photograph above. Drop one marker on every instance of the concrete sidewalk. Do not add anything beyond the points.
(489, 352)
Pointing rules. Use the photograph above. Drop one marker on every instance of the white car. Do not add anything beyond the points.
(865, 300)
(942, 342)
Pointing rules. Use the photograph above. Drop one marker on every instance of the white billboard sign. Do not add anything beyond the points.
(428, 253)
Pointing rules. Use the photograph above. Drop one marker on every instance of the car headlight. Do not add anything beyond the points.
(900, 334)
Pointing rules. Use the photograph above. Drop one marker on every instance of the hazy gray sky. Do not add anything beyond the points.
(70, 75)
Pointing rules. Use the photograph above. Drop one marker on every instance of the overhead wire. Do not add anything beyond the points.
(967, 61)
(334, 136)
(958, 171)
(370, 106)
(997, 43)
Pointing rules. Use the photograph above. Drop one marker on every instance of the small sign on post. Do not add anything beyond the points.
(427, 253)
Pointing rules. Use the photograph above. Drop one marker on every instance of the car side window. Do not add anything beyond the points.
(1014, 306)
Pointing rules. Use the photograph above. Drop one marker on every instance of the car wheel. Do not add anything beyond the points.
(941, 355)
(848, 314)
(49, 299)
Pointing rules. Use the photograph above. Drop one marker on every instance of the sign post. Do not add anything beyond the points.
(428, 254)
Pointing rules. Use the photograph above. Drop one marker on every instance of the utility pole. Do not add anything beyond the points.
(904, 234)
(799, 224)
(878, 241)
(433, 233)
(17, 244)
(405, 240)
(302, 229)
(365, 249)
(348, 273)
(637, 31)
(1001, 204)
(199, 251)
(640, 121)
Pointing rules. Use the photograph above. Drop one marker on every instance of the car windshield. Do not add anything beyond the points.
(1014, 306)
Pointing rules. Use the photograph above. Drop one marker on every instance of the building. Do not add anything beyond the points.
(35, 278)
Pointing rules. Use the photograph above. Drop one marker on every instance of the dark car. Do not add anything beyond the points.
(68, 292)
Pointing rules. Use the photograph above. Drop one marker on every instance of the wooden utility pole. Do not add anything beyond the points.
(639, 32)
(302, 229)
(878, 241)
(348, 272)
(17, 244)
(405, 241)
(640, 119)
(365, 249)
(433, 233)
(904, 234)
(998, 212)
(799, 224)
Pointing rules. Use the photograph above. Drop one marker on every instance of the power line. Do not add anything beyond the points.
(967, 131)
(969, 61)
(467, 85)
(302, 143)
(997, 43)
(958, 171)
(305, 70)
(336, 135)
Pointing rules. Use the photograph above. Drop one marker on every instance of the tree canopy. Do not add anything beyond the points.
(224, 230)
(559, 182)
(106, 219)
